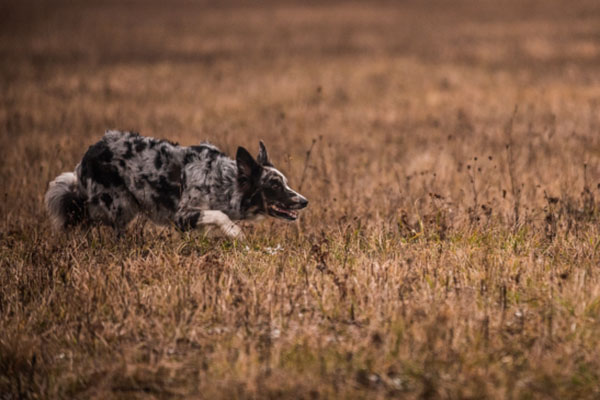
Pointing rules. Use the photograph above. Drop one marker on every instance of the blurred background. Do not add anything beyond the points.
(450, 152)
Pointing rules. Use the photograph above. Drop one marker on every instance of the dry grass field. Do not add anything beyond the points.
(450, 151)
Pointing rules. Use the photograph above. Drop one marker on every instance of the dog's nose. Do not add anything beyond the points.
(303, 202)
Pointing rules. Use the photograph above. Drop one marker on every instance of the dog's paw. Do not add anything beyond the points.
(233, 231)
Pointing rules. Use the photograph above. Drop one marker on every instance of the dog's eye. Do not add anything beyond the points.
(275, 184)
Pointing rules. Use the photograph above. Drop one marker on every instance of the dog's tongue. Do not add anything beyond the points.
(291, 213)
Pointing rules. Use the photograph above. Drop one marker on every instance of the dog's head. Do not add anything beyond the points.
(265, 189)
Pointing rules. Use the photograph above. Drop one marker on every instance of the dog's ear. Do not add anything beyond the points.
(248, 168)
(263, 156)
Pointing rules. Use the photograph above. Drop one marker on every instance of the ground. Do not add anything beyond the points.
(450, 153)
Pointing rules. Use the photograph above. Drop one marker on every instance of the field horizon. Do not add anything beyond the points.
(450, 154)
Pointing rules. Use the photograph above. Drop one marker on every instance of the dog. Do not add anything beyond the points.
(126, 174)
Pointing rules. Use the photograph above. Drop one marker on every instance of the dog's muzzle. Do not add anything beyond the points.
(288, 211)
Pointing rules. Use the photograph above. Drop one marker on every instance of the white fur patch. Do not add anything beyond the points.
(215, 217)
(64, 183)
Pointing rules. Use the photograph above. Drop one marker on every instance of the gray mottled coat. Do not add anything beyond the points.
(125, 174)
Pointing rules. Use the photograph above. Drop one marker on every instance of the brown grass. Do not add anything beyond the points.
(450, 249)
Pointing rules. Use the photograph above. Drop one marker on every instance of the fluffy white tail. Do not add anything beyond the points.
(64, 203)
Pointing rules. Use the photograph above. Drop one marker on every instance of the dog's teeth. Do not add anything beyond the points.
(290, 213)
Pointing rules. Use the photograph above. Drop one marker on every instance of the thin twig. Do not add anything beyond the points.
(306, 161)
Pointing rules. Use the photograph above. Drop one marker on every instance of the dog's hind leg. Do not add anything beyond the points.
(115, 208)
(191, 218)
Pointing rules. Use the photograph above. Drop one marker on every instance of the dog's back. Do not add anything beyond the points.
(124, 173)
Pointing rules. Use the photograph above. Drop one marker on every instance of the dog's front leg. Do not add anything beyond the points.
(220, 219)
(190, 218)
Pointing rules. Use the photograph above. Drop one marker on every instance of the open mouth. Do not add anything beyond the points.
(282, 212)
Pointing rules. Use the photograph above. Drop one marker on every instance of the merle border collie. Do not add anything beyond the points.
(125, 174)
